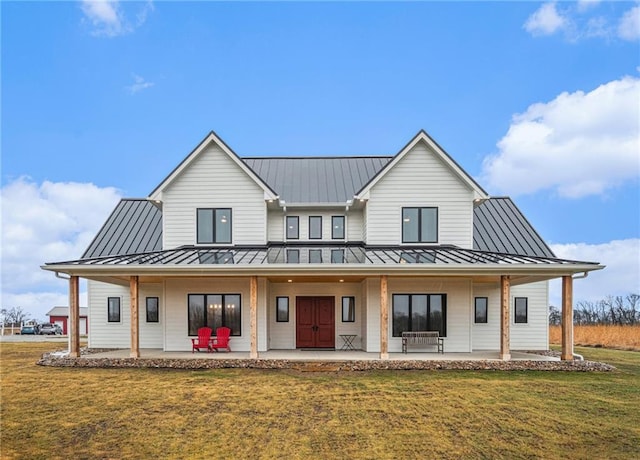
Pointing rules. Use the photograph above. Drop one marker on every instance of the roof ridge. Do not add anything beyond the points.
(329, 157)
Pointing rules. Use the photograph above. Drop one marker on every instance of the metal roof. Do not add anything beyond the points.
(329, 254)
(317, 179)
(499, 226)
(64, 311)
(134, 226)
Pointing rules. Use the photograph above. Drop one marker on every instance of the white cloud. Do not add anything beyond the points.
(545, 21)
(620, 277)
(139, 84)
(108, 18)
(576, 21)
(46, 222)
(578, 144)
(629, 26)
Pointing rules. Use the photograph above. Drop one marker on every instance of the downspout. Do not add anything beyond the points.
(68, 316)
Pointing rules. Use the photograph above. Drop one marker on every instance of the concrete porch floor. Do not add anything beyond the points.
(324, 355)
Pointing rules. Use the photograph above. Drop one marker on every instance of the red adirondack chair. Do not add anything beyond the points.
(221, 340)
(204, 336)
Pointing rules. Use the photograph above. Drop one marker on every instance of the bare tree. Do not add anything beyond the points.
(617, 310)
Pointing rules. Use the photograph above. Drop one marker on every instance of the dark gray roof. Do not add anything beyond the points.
(317, 180)
(134, 226)
(346, 254)
(499, 226)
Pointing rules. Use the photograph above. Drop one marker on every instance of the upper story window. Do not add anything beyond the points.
(419, 225)
(315, 227)
(337, 227)
(214, 225)
(293, 227)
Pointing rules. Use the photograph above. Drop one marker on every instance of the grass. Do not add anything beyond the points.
(620, 337)
(145, 413)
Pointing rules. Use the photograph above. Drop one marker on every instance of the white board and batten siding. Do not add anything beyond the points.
(533, 335)
(420, 179)
(353, 222)
(213, 181)
(282, 336)
(103, 334)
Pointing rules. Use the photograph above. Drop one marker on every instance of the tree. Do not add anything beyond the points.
(619, 310)
(13, 316)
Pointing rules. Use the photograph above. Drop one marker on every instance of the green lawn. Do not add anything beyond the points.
(144, 413)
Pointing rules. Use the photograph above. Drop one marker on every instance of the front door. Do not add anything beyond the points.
(315, 322)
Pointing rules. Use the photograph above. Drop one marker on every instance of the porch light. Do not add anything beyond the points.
(289, 281)
(342, 281)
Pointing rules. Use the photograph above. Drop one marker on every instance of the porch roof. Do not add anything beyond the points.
(322, 259)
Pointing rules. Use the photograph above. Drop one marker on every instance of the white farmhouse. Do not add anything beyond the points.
(295, 252)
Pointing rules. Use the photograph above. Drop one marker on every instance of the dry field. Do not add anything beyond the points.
(53, 413)
(618, 337)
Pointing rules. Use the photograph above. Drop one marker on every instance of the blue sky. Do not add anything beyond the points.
(538, 101)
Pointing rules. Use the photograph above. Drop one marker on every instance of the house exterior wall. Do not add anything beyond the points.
(213, 180)
(420, 179)
(353, 221)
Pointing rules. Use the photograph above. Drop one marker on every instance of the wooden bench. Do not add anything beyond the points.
(422, 338)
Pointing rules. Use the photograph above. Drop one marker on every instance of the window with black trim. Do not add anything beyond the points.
(348, 309)
(113, 309)
(419, 312)
(293, 227)
(419, 225)
(481, 309)
(337, 227)
(521, 310)
(337, 256)
(214, 225)
(315, 227)
(293, 256)
(315, 256)
(214, 311)
(153, 309)
(282, 309)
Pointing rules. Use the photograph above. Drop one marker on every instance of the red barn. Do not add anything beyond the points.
(60, 316)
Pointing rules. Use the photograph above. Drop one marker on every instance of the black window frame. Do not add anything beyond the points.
(420, 240)
(348, 314)
(110, 315)
(286, 227)
(315, 252)
(293, 256)
(234, 333)
(282, 316)
(149, 316)
(443, 296)
(516, 319)
(333, 228)
(319, 237)
(335, 260)
(200, 240)
(477, 319)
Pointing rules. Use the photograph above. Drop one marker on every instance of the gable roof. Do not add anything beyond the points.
(64, 311)
(317, 179)
(422, 136)
(134, 226)
(499, 226)
(212, 137)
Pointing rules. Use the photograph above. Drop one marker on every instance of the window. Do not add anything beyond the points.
(113, 309)
(337, 227)
(153, 310)
(282, 309)
(521, 310)
(214, 311)
(419, 312)
(481, 304)
(315, 227)
(293, 227)
(337, 256)
(293, 256)
(419, 225)
(348, 309)
(315, 256)
(214, 225)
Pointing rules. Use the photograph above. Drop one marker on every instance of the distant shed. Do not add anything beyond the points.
(60, 316)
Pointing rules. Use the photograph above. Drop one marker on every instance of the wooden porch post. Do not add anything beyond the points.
(505, 294)
(567, 318)
(135, 318)
(384, 318)
(74, 317)
(253, 305)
